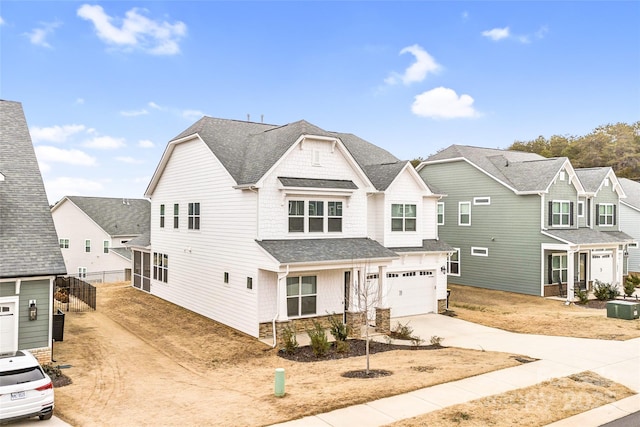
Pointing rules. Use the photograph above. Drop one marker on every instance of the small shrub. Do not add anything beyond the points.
(319, 343)
(416, 341)
(582, 295)
(403, 332)
(436, 340)
(630, 285)
(339, 330)
(342, 346)
(289, 339)
(605, 291)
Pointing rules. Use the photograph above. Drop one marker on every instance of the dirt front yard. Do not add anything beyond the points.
(536, 315)
(139, 360)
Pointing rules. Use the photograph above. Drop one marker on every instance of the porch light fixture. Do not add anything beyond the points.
(33, 310)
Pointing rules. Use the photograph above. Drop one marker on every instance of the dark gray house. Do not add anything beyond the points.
(524, 223)
(30, 256)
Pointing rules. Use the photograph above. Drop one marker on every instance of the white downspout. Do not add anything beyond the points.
(273, 322)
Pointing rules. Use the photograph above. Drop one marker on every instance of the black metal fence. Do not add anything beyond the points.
(73, 294)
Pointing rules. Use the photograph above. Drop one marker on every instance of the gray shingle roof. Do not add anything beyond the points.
(117, 217)
(123, 252)
(585, 236)
(142, 241)
(319, 250)
(632, 191)
(591, 178)
(28, 241)
(341, 184)
(248, 150)
(525, 172)
(428, 245)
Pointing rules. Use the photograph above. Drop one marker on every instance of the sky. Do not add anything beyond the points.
(106, 85)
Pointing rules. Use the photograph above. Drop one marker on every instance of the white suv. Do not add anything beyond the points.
(25, 390)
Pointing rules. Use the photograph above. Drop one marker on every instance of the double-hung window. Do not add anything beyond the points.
(160, 267)
(558, 268)
(403, 217)
(606, 214)
(64, 243)
(314, 216)
(105, 246)
(301, 296)
(454, 263)
(194, 216)
(560, 213)
(87, 245)
(161, 216)
(440, 213)
(464, 213)
(176, 215)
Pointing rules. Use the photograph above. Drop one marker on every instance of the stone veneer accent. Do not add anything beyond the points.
(442, 305)
(383, 320)
(301, 325)
(42, 354)
(356, 320)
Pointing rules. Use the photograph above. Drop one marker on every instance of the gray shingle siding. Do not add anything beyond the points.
(28, 240)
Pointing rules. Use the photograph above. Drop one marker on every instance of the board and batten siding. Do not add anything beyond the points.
(298, 163)
(198, 259)
(508, 227)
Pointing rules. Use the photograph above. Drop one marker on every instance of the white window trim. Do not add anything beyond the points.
(66, 243)
(460, 204)
(438, 213)
(306, 216)
(105, 246)
(449, 273)
(478, 251)
(404, 218)
(82, 272)
(562, 175)
(480, 201)
(581, 206)
(87, 246)
(612, 215)
(568, 214)
(559, 255)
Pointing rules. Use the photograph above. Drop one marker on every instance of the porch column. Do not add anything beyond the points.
(383, 291)
(570, 275)
(282, 297)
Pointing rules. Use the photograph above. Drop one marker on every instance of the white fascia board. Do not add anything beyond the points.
(416, 177)
(635, 208)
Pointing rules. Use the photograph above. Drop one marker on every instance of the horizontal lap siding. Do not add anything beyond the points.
(224, 243)
(609, 196)
(513, 222)
(630, 224)
(34, 333)
(405, 190)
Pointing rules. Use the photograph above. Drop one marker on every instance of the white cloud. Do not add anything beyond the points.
(38, 36)
(47, 154)
(417, 71)
(134, 113)
(54, 133)
(62, 186)
(1, 21)
(497, 33)
(192, 114)
(443, 103)
(104, 143)
(80, 101)
(145, 143)
(542, 31)
(128, 159)
(155, 106)
(135, 30)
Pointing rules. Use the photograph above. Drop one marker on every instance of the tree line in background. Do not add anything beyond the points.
(615, 145)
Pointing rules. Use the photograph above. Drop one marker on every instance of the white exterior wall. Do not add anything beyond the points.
(298, 164)
(630, 224)
(73, 224)
(225, 242)
(411, 262)
(375, 217)
(405, 190)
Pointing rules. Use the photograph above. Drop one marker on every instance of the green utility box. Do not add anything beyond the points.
(623, 310)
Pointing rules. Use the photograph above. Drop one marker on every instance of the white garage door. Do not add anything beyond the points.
(602, 266)
(8, 326)
(412, 292)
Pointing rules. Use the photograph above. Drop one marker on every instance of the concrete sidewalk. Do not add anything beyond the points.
(559, 357)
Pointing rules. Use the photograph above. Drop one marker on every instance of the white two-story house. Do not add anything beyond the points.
(256, 226)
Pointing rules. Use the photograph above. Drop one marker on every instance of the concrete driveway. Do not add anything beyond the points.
(559, 357)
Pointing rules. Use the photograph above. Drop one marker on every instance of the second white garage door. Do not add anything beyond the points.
(412, 292)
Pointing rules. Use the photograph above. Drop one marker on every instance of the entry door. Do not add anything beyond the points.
(582, 270)
(8, 326)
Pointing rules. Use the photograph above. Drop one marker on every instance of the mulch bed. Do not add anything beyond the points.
(356, 348)
(597, 304)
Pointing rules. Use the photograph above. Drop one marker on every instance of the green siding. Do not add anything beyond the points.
(561, 190)
(509, 228)
(7, 289)
(34, 333)
(606, 195)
